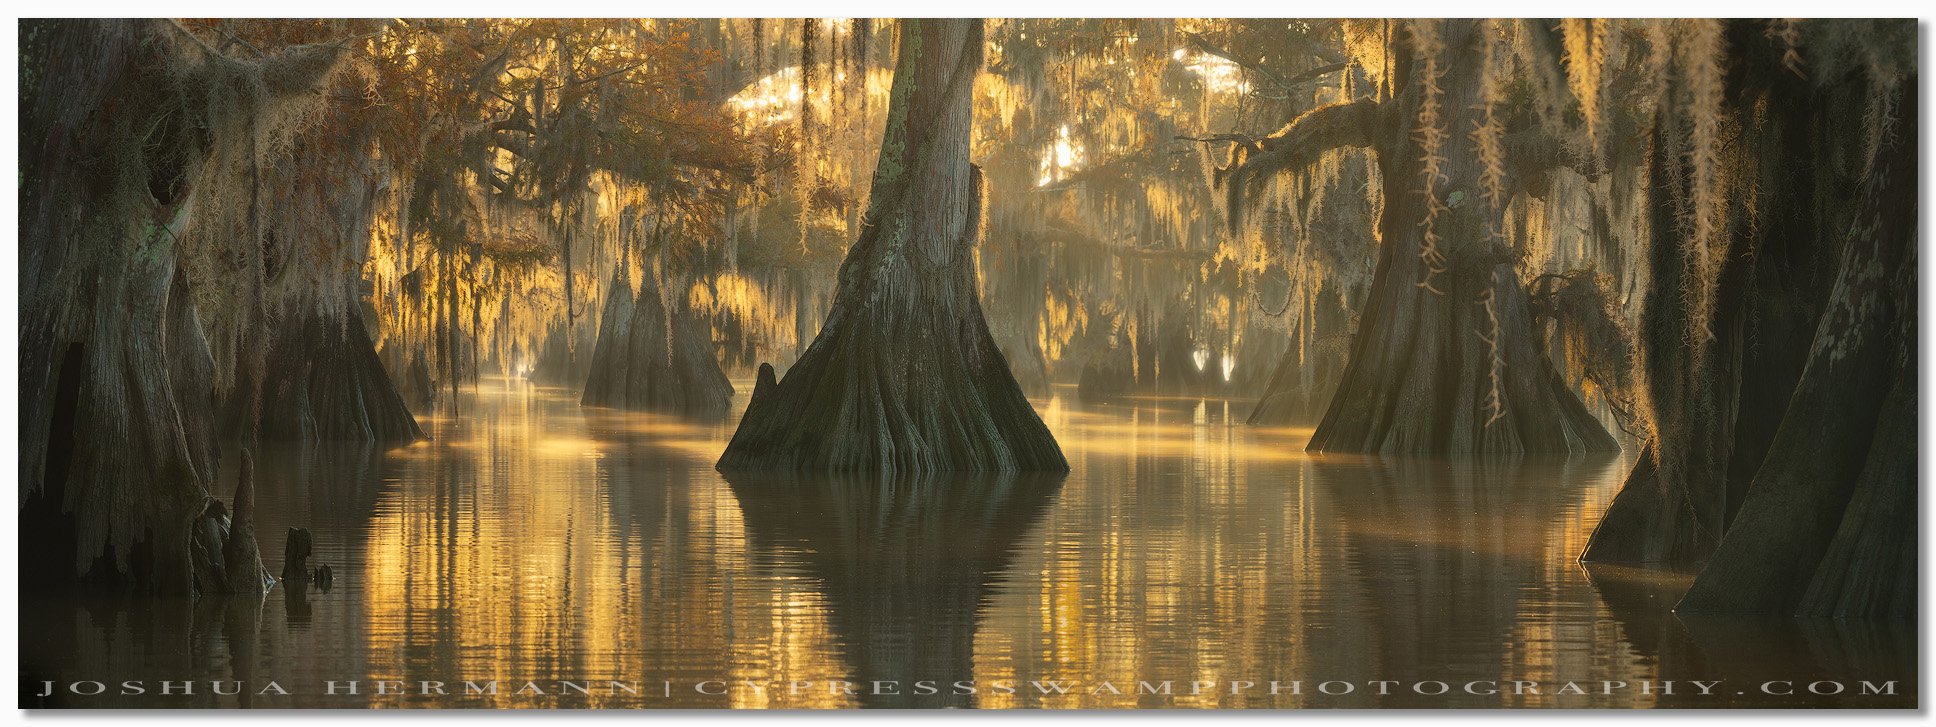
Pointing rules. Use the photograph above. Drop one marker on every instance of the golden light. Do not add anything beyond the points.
(770, 100)
(1061, 159)
(1219, 74)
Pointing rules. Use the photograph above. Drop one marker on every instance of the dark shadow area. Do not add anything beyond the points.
(1762, 661)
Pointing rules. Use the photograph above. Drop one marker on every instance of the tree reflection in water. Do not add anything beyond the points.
(533, 539)
(906, 564)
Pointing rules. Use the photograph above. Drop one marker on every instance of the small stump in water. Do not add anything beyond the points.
(295, 554)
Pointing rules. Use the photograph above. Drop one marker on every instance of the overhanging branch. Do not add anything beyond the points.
(1298, 145)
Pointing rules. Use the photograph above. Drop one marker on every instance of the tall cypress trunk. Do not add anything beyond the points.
(1300, 386)
(1447, 359)
(611, 363)
(477, 309)
(1828, 527)
(571, 308)
(448, 291)
(1783, 451)
(322, 379)
(904, 376)
(1714, 408)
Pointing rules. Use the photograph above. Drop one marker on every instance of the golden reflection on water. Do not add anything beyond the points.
(548, 544)
(534, 541)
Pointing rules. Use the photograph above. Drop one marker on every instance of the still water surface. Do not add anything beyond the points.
(535, 541)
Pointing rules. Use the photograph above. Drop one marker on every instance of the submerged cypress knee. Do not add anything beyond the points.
(243, 562)
(904, 376)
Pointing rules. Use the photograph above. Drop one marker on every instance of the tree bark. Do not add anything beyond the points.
(1714, 408)
(447, 352)
(1301, 384)
(904, 376)
(1673, 505)
(1299, 392)
(1016, 275)
(1107, 377)
(116, 377)
(1828, 526)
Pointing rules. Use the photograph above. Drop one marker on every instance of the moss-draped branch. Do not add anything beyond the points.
(1299, 144)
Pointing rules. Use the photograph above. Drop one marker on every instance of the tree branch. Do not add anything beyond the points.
(1296, 146)
(1315, 72)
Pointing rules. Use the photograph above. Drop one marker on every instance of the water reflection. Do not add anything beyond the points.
(905, 565)
(535, 543)
(1420, 534)
(1749, 652)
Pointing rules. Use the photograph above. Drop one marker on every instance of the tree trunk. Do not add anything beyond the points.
(417, 386)
(1179, 370)
(649, 357)
(1017, 278)
(1030, 369)
(117, 383)
(326, 384)
(448, 351)
(1447, 359)
(904, 376)
(1299, 392)
(611, 374)
(1714, 408)
(571, 307)
(477, 312)
(1109, 376)
(117, 454)
(1672, 507)
(1828, 527)
(1300, 386)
